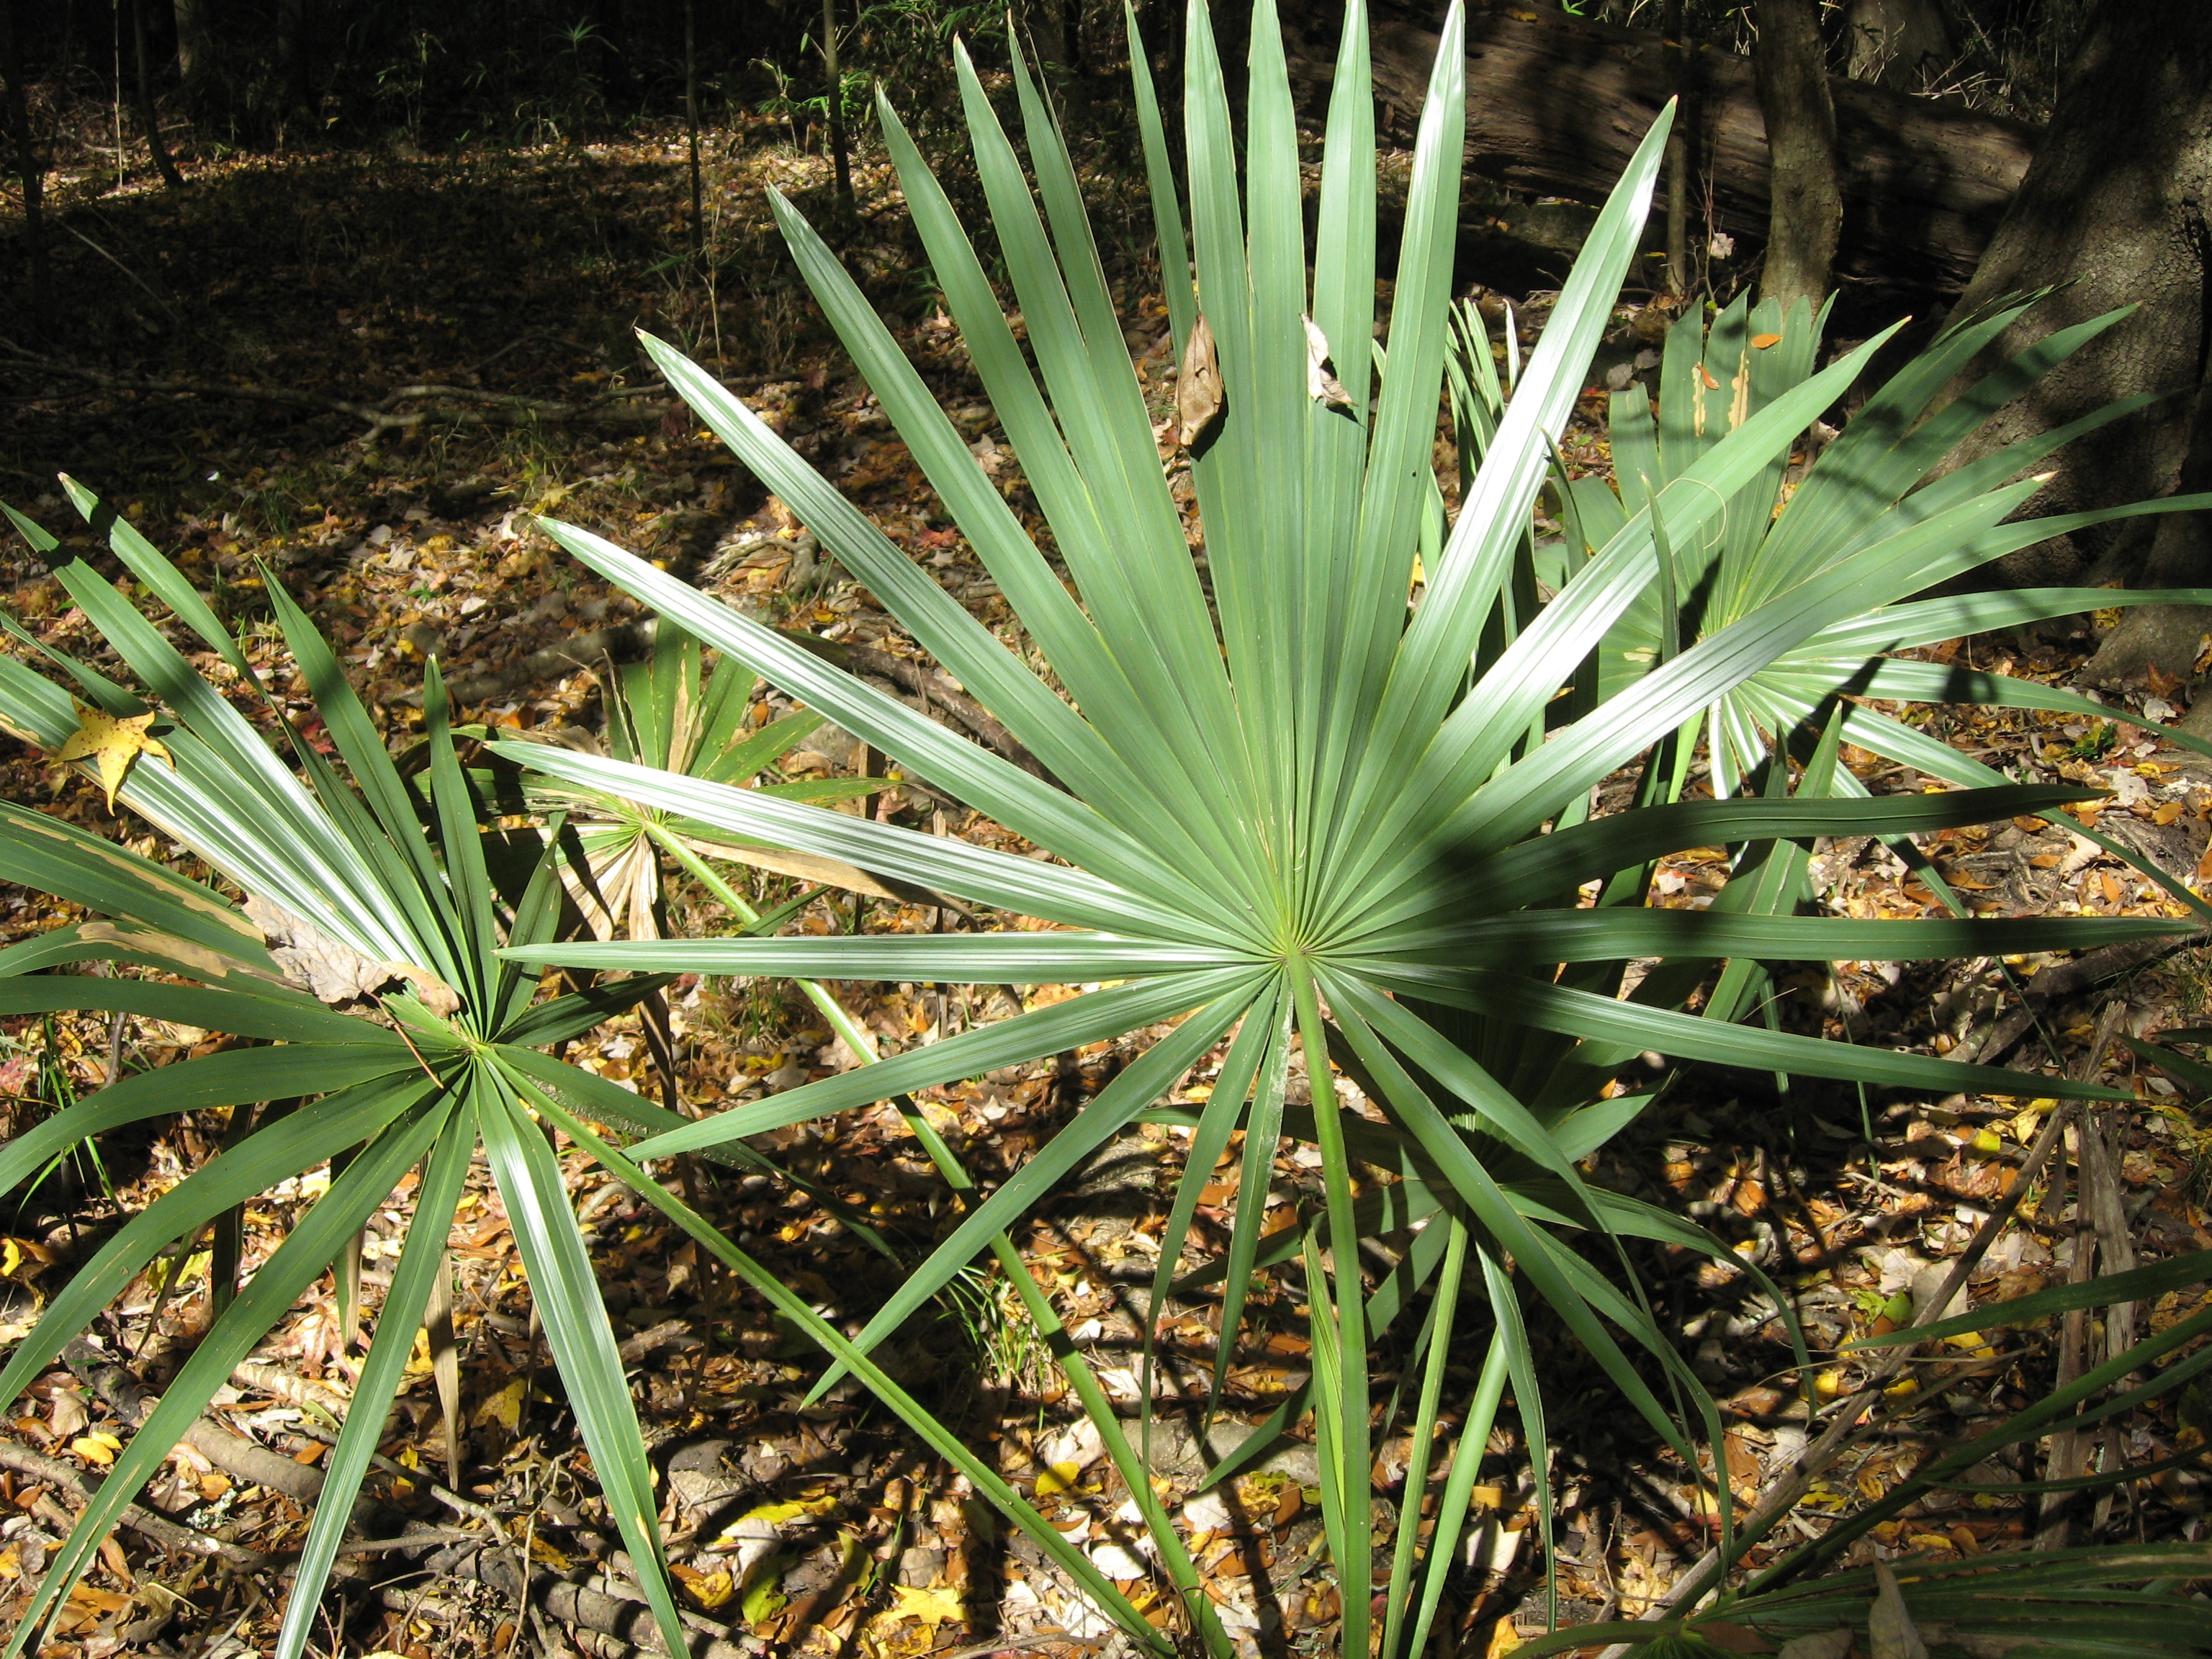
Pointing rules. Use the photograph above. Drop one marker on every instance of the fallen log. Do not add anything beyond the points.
(1557, 105)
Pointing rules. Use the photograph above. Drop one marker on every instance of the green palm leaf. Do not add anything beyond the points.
(1316, 818)
(416, 901)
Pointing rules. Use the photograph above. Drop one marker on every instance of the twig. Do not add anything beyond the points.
(157, 1529)
(226, 1448)
(423, 1539)
(167, 309)
(621, 641)
(918, 681)
(2063, 979)
(2100, 1243)
(623, 1616)
(1784, 1489)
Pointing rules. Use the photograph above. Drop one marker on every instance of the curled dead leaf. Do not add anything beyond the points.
(1198, 393)
(333, 970)
(1321, 384)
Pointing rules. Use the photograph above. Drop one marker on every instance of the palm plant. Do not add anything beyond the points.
(1879, 476)
(386, 881)
(1300, 815)
(2098, 1600)
(672, 712)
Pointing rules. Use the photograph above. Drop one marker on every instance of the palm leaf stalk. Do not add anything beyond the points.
(1338, 830)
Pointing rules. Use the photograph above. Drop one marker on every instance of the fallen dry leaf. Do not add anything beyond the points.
(332, 969)
(1198, 387)
(113, 743)
(1321, 384)
(1891, 1633)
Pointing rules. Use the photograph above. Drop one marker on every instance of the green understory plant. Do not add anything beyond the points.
(674, 712)
(1778, 530)
(388, 892)
(1311, 815)
(2109, 1600)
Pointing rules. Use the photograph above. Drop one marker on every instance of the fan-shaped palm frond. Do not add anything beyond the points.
(1301, 814)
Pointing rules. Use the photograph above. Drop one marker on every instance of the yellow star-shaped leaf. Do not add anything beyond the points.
(111, 744)
(932, 1606)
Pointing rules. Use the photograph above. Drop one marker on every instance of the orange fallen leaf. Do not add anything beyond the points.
(1760, 341)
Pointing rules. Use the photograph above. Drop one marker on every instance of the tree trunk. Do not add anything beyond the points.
(1800, 117)
(194, 44)
(2115, 207)
(30, 166)
(295, 52)
(840, 158)
(1556, 105)
(149, 114)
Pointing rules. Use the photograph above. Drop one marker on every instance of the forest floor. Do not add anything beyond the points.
(361, 377)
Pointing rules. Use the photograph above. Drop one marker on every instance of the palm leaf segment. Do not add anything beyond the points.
(1294, 812)
(395, 876)
(1873, 481)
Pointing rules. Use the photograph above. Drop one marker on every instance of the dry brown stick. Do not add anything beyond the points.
(621, 641)
(917, 680)
(1784, 1489)
(2061, 979)
(157, 1528)
(236, 1455)
(2100, 1243)
(228, 1450)
(627, 1618)
(280, 1384)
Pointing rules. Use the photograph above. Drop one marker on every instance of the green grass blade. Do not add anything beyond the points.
(2139, 1285)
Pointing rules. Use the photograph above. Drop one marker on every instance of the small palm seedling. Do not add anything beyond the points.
(392, 895)
(1301, 817)
(674, 712)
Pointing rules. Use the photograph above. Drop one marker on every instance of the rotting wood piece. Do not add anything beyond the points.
(228, 1450)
